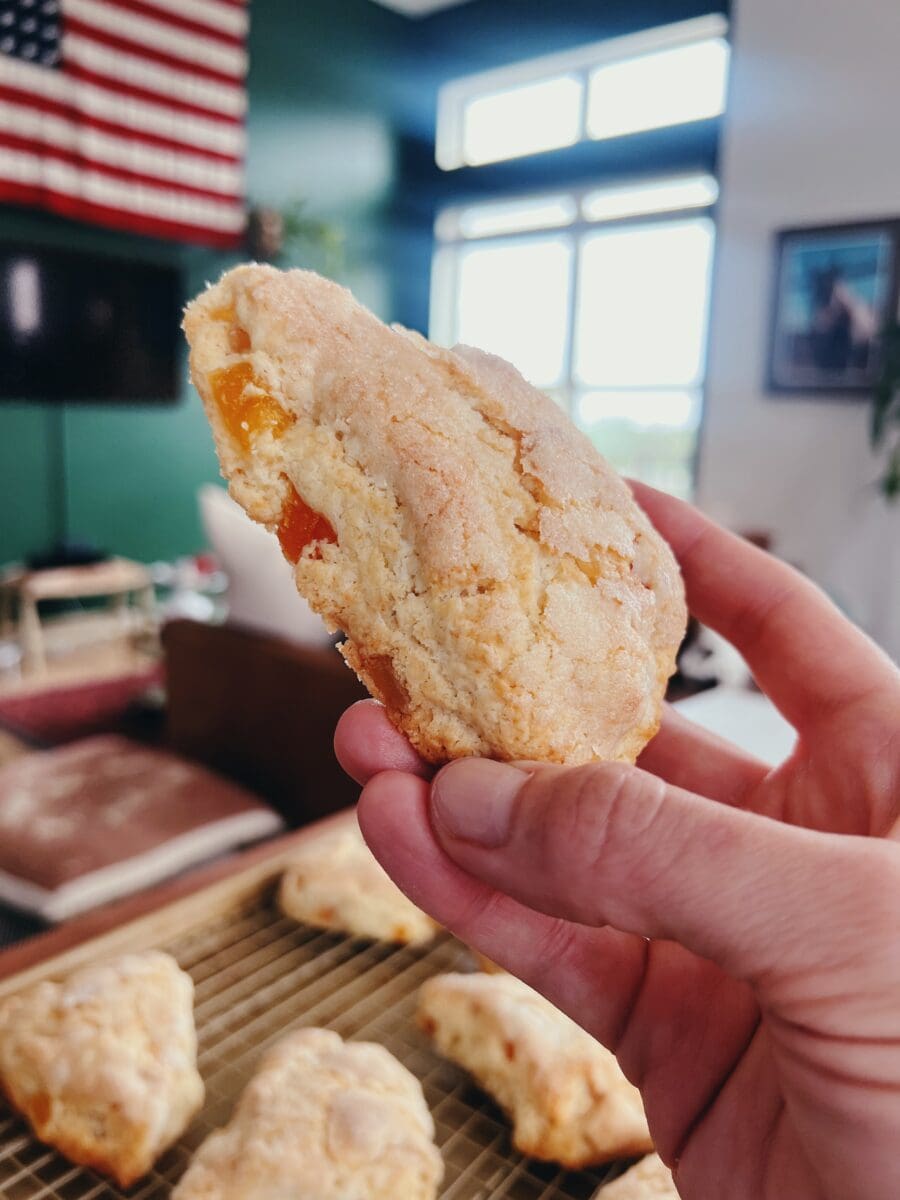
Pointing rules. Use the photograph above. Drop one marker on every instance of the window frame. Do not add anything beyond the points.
(450, 240)
(455, 97)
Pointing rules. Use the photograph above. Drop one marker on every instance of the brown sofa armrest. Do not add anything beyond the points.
(261, 710)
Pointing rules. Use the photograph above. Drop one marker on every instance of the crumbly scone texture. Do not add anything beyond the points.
(500, 590)
(104, 1064)
(565, 1093)
(335, 882)
(321, 1120)
(650, 1179)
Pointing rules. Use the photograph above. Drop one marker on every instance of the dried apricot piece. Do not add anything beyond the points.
(300, 525)
(380, 670)
(245, 408)
(238, 340)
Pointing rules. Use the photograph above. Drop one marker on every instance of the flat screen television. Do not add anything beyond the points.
(76, 326)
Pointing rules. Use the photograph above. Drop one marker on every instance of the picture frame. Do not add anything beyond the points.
(835, 289)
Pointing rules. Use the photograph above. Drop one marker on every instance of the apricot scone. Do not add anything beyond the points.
(104, 1064)
(565, 1093)
(501, 592)
(322, 1119)
(335, 882)
(650, 1179)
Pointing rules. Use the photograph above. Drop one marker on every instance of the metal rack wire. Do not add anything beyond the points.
(257, 975)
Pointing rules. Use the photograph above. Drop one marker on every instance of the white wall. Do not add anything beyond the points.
(812, 136)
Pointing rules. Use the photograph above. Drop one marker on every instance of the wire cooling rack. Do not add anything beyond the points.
(257, 975)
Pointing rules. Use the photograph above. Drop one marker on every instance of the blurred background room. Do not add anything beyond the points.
(680, 218)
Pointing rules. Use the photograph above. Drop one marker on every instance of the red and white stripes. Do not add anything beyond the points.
(141, 126)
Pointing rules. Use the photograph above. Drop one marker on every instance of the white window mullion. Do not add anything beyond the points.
(594, 91)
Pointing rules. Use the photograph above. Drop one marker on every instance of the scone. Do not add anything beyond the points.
(568, 1099)
(321, 1120)
(104, 1064)
(501, 592)
(335, 882)
(650, 1179)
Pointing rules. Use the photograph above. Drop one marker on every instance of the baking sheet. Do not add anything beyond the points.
(257, 975)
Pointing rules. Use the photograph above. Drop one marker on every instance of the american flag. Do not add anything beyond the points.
(126, 113)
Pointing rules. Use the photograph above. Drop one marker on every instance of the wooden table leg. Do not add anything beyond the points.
(146, 599)
(31, 636)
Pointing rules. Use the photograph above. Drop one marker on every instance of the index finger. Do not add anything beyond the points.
(808, 658)
(366, 743)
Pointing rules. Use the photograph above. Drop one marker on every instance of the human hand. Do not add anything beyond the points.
(731, 932)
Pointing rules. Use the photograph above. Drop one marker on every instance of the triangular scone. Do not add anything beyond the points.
(104, 1064)
(335, 882)
(501, 591)
(568, 1099)
(322, 1119)
(650, 1179)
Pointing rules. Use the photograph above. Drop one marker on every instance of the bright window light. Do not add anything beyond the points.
(508, 216)
(523, 120)
(640, 199)
(662, 409)
(658, 76)
(642, 305)
(648, 435)
(669, 87)
(513, 299)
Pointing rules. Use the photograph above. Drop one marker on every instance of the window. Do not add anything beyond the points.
(599, 297)
(665, 76)
(670, 87)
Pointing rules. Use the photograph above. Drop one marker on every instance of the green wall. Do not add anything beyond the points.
(133, 471)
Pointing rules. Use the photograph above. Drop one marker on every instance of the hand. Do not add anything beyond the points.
(731, 932)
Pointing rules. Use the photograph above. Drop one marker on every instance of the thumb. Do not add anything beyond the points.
(607, 844)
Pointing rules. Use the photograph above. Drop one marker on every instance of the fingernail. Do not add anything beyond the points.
(472, 799)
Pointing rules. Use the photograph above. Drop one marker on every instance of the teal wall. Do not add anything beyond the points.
(133, 471)
(342, 108)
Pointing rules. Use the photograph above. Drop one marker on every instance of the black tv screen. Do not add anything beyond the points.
(79, 326)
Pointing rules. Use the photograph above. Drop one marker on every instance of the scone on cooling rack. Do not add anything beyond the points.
(568, 1100)
(335, 882)
(104, 1064)
(322, 1119)
(500, 590)
(650, 1179)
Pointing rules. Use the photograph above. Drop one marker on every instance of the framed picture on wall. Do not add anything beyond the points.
(835, 290)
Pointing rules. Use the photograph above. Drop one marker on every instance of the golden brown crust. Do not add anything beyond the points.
(321, 1120)
(501, 592)
(103, 1065)
(335, 882)
(568, 1099)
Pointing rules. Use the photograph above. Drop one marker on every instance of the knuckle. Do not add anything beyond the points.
(551, 956)
(856, 922)
(476, 910)
(877, 885)
(601, 819)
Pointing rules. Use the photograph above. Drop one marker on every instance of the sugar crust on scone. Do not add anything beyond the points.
(650, 1179)
(322, 1119)
(104, 1064)
(335, 882)
(565, 1093)
(501, 592)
